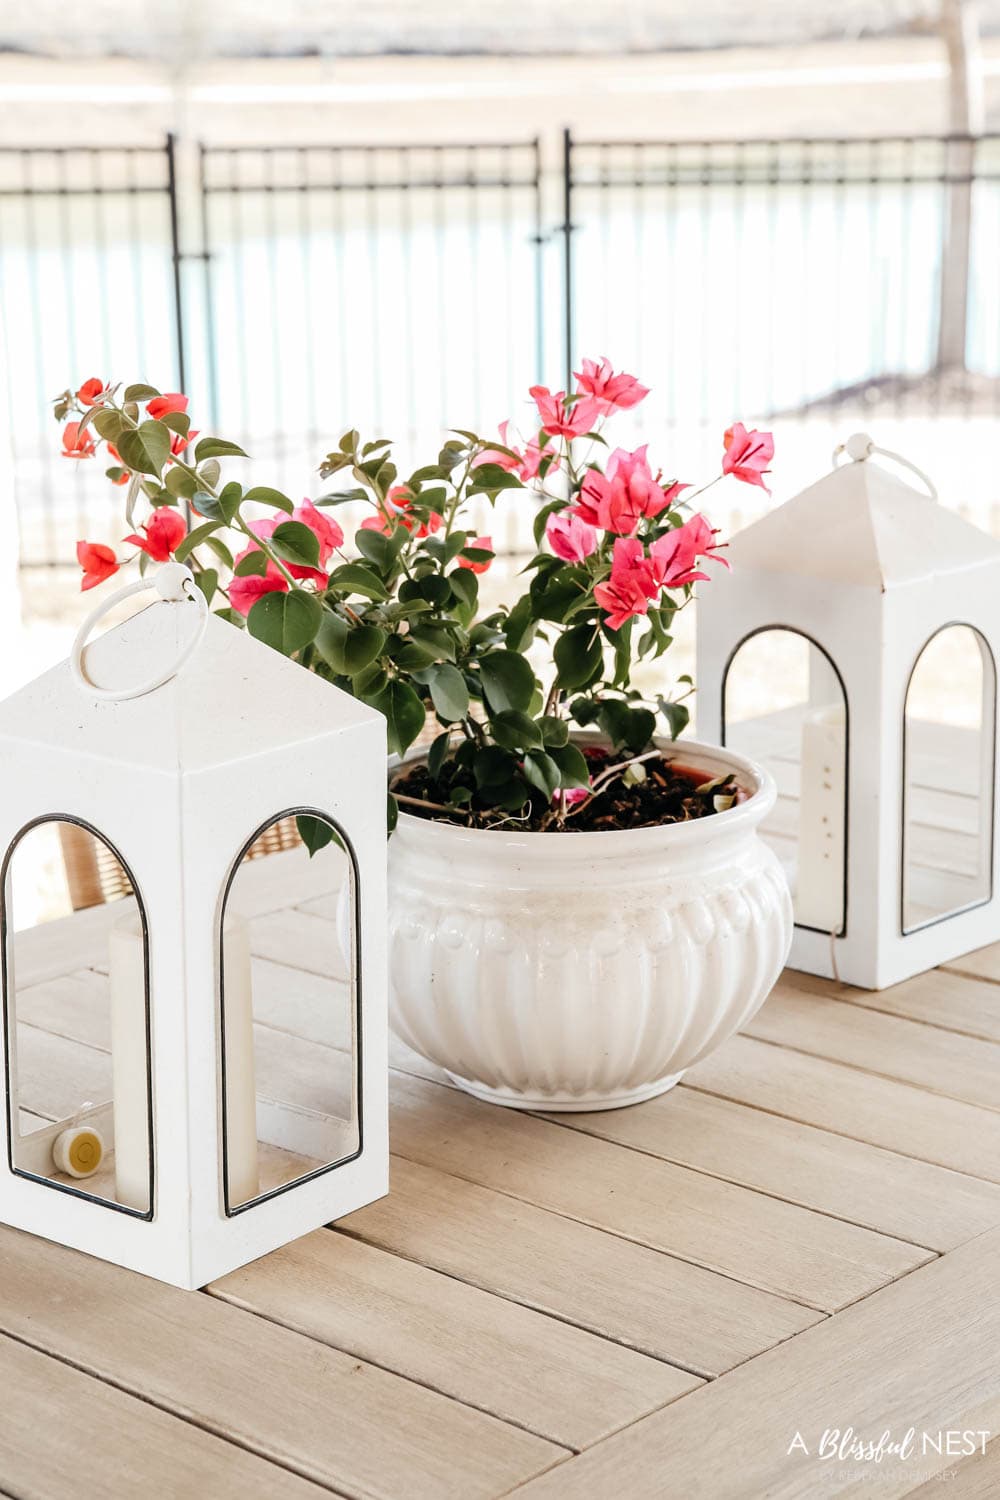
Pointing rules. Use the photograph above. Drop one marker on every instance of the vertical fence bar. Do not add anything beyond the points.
(567, 229)
(175, 245)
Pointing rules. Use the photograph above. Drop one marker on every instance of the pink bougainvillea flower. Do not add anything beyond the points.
(618, 499)
(526, 463)
(509, 461)
(393, 513)
(747, 454)
(164, 532)
(171, 401)
(630, 588)
(76, 444)
(562, 418)
(244, 592)
(569, 537)
(97, 561)
(90, 391)
(673, 557)
(327, 532)
(484, 542)
(612, 392)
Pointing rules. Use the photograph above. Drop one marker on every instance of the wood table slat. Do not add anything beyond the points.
(67, 1436)
(760, 1240)
(921, 1354)
(356, 1429)
(939, 998)
(540, 1373)
(835, 1097)
(913, 1200)
(648, 1301)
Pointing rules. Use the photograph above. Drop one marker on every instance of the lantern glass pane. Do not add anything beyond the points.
(784, 705)
(76, 1003)
(289, 1009)
(948, 761)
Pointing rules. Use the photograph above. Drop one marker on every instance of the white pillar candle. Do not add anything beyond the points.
(129, 1063)
(819, 889)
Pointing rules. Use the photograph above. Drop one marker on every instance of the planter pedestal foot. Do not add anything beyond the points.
(567, 1103)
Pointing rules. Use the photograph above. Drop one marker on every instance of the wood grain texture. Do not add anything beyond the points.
(921, 1354)
(984, 963)
(534, 1371)
(882, 1111)
(66, 1436)
(322, 1413)
(913, 1200)
(952, 1002)
(664, 1307)
(961, 1067)
(770, 1244)
(976, 1478)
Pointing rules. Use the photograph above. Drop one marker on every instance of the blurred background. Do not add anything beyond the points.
(398, 216)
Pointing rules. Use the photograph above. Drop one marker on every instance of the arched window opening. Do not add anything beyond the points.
(78, 1064)
(289, 1035)
(949, 719)
(783, 703)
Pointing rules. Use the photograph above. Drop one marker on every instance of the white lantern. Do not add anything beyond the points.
(175, 1102)
(853, 650)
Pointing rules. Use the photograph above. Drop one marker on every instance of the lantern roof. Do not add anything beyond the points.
(233, 699)
(861, 525)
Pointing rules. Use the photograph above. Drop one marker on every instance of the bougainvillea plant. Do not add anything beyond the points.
(393, 616)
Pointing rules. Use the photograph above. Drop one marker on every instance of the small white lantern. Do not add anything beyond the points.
(243, 1103)
(853, 650)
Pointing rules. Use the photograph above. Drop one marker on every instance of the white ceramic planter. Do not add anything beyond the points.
(583, 971)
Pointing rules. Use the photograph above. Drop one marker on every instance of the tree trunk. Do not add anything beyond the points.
(960, 28)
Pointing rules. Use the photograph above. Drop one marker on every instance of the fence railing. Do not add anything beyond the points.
(298, 288)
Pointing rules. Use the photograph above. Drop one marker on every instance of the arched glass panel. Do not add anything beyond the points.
(948, 758)
(783, 704)
(289, 1032)
(76, 1017)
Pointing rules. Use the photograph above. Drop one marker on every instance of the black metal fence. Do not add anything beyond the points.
(295, 289)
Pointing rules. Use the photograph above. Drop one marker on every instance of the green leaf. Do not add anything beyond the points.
(449, 693)
(404, 714)
(514, 730)
(145, 448)
(489, 478)
(356, 578)
(363, 646)
(554, 731)
(286, 622)
(640, 726)
(493, 766)
(316, 833)
(109, 424)
(572, 763)
(208, 581)
(438, 754)
(508, 681)
(231, 617)
(433, 639)
(392, 813)
(465, 585)
(180, 484)
(140, 393)
(331, 641)
(376, 548)
(218, 507)
(294, 542)
(254, 565)
(578, 656)
(213, 447)
(676, 715)
(261, 495)
(519, 627)
(209, 472)
(542, 772)
(221, 551)
(177, 421)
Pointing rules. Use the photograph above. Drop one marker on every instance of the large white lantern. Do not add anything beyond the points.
(176, 1101)
(853, 649)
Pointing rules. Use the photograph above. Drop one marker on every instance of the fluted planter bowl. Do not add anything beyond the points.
(584, 971)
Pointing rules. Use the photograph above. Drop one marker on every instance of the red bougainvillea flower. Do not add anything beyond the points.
(630, 588)
(76, 444)
(747, 454)
(562, 418)
(569, 537)
(244, 592)
(618, 499)
(91, 389)
(116, 457)
(393, 513)
(97, 561)
(164, 532)
(612, 392)
(328, 533)
(160, 405)
(178, 443)
(486, 544)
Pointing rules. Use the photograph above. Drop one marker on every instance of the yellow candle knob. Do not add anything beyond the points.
(78, 1151)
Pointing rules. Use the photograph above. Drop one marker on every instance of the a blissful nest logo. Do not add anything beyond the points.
(846, 1445)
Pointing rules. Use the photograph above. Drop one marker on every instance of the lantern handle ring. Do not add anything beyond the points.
(174, 583)
(860, 446)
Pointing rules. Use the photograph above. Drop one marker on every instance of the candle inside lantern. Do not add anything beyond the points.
(129, 1063)
(819, 892)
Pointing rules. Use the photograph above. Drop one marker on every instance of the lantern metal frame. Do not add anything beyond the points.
(10, 1104)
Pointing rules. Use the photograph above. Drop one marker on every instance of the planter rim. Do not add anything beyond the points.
(742, 817)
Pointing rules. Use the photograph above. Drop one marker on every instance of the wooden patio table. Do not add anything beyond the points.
(673, 1300)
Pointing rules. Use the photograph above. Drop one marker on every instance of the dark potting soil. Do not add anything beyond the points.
(668, 794)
